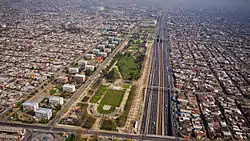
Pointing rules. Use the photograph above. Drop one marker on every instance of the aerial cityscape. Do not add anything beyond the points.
(93, 70)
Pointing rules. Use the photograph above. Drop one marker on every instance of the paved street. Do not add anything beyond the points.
(99, 133)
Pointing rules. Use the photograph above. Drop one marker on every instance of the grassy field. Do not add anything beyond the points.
(138, 41)
(121, 121)
(113, 98)
(128, 67)
(134, 48)
(100, 109)
(99, 93)
(126, 86)
(150, 41)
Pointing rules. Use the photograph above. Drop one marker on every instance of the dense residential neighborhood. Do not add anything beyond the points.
(210, 76)
(115, 70)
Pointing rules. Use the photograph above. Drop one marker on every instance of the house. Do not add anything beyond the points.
(30, 105)
(118, 39)
(101, 47)
(89, 56)
(104, 54)
(55, 100)
(111, 45)
(111, 39)
(73, 70)
(82, 62)
(69, 88)
(62, 79)
(90, 67)
(79, 78)
(43, 113)
(108, 50)
(96, 51)
(105, 43)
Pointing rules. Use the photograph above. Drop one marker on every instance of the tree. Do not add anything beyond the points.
(58, 107)
(89, 72)
(95, 138)
(16, 116)
(44, 121)
(104, 71)
(108, 125)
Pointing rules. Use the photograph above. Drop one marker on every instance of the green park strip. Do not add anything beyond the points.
(99, 93)
(128, 67)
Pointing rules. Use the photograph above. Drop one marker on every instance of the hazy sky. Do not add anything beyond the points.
(187, 3)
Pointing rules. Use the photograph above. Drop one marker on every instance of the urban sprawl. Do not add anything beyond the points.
(85, 71)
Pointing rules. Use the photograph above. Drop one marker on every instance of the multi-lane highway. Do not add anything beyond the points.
(157, 117)
(149, 126)
(167, 84)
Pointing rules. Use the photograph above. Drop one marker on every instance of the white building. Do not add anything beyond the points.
(90, 67)
(80, 77)
(111, 45)
(69, 88)
(43, 113)
(104, 54)
(55, 100)
(108, 50)
(73, 70)
(30, 105)
(105, 42)
(115, 42)
(89, 56)
(96, 51)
